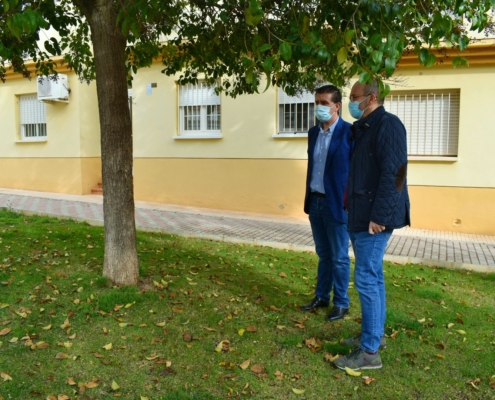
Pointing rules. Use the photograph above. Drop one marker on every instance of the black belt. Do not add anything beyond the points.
(318, 194)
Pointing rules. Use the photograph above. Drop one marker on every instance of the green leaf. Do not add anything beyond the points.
(6, 6)
(249, 75)
(267, 64)
(389, 66)
(423, 56)
(253, 13)
(364, 77)
(349, 35)
(265, 47)
(374, 9)
(286, 51)
(432, 59)
(386, 91)
(376, 40)
(322, 54)
(342, 55)
(377, 56)
(463, 42)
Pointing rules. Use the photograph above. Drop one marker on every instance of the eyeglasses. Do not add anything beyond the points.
(353, 97)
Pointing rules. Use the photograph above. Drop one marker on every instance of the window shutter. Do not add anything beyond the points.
(31, 111)
(431, 118)
(304, 97)
(198, 95)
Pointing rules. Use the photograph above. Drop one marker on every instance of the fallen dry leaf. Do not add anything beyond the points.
(5, 377)
(245, 364)
(351, 372)
(313, 344)
(61, 356)
(368, 380)
(279, 375)
(257, 369)
(187, 337)
(283, 275)
(241, 332)
(298, 391)
(5, 331)
(108, 346)
(222, 346)
(115, 386)
(71, 382)
(90, 385)
(66, 324)
(251, 328)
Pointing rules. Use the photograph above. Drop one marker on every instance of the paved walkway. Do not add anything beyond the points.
(408, 245)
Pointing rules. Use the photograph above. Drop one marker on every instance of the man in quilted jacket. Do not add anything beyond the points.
(377, 203)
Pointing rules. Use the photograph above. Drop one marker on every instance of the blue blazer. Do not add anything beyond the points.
(336, 168)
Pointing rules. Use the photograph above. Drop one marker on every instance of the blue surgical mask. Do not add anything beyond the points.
(323, 113)
(354, 109)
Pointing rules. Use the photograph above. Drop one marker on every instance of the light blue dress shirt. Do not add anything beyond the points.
(320, 157)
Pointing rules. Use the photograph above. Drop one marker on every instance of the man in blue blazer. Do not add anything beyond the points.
(329, 155)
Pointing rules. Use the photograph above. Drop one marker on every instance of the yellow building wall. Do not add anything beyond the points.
(68, 161)
(460, 209)
(267, 186)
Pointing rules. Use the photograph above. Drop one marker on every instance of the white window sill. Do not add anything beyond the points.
(290, 136)
(32, 141)
(198, 136)
(432, 158)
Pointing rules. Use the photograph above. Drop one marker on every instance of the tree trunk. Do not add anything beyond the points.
(120, 264)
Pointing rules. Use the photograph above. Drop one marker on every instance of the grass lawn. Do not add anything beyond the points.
(212, 320)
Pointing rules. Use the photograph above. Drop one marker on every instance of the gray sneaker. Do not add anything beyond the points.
(359, 359)
(356, 342)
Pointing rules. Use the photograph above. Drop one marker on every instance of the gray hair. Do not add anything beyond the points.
(373, 88)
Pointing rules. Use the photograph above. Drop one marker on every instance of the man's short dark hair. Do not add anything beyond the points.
(333, 90)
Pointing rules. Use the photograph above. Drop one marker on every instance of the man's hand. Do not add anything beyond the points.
(375, 228)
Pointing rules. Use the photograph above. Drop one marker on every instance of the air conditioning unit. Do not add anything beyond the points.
(50, 89)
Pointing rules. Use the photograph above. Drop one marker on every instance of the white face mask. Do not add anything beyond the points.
(322, 113)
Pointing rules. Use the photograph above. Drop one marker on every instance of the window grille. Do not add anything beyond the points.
(32, 115)
(199, 109)
(296, 114)
(431, 118)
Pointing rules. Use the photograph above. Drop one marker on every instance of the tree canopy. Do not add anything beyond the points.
(292, 44)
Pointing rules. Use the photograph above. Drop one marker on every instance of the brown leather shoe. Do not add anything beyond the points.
(315, 303)
(337, 313)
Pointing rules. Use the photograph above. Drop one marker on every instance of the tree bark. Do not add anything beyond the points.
(120, 263)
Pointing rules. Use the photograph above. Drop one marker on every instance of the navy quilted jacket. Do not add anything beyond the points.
(377, 185)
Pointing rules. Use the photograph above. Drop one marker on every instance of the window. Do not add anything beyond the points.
(32, 115)
(199, 110)
(296, 114)
(431, 118)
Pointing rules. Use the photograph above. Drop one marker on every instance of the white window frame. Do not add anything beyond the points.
(32, 119)
(200, 96)
(296, 128)
(431, 118)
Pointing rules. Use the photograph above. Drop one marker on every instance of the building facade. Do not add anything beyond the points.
(194, 147)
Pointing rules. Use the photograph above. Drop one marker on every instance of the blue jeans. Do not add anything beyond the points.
(332, 246)
(369, 282)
